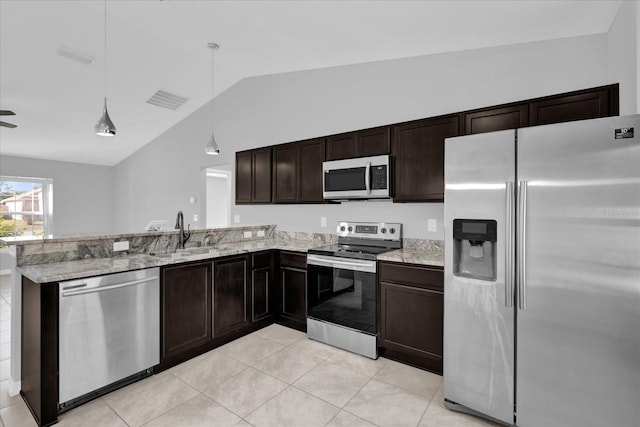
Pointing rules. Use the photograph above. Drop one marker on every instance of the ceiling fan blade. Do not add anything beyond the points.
(7, 113)
(8, 125)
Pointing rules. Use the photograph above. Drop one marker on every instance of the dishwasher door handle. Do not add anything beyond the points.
(105, 288)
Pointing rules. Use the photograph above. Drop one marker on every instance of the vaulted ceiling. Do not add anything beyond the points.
(162, 45)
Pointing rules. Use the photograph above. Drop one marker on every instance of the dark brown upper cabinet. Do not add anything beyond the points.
(295, 174)
(495, 118)
(368, 142)
(253, 176)
(579, 105)
(418, 151)
(285, 173)
(297, 171)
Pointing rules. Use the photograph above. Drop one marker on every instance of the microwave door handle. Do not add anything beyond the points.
(367, 178)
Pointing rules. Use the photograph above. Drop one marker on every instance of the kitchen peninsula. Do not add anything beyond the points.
(225, 284)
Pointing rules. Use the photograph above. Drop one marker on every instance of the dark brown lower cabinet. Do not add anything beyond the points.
(39, 355)
(292, 290)
(411, 314)
(231, 295)
(186, 309)
(262, 295)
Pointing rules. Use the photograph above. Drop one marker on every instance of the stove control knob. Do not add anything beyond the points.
(383, 230)
(342, 228)
(392, 230)
(350, 229)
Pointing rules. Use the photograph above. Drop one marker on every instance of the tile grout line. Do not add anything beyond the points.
(113, 410)
(268, 400)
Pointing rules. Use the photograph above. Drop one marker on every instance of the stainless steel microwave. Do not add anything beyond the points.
(357, 178)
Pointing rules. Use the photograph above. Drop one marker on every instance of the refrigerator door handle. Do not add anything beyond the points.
(508, 232)
(522, 232)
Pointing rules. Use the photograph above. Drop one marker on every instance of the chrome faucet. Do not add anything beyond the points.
(182, 236)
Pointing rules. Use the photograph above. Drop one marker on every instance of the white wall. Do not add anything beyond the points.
(157, 181)
(83, 197)
(622, 47)
(279, 108)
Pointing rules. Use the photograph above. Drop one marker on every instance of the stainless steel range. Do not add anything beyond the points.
(342, 286)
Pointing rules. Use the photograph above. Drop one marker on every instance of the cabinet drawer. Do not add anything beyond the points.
(290, 259)
(424, 277)
(261, 260)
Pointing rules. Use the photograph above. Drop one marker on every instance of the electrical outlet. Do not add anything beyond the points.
(432, 225)
(260, 233)
(195, 217)
(236, 219)
(121, 246)
(323, 221)
(247, 234)
(192, 200)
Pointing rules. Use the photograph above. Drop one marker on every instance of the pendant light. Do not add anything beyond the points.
(212, 146)
(104, 126)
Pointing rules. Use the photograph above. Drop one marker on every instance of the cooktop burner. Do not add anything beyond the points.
(363, 240)
(350, 251)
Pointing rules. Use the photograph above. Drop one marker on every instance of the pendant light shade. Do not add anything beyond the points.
(104, 126)
(212, 146)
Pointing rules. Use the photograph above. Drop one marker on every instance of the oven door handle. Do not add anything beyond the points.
(341, 263)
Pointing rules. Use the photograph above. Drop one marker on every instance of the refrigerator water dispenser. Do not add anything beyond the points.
(474, 250)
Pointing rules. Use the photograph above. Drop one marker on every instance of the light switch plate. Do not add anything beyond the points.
(247, 234)
(192, 200)
(236, 219)
(323, 221)
(432, 225)
(121, 246)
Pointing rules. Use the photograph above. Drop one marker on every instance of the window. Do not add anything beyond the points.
(26, 206)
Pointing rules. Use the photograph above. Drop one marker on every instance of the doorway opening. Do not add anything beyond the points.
(218, 196)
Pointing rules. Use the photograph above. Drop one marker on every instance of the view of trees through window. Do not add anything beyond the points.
(25, 206)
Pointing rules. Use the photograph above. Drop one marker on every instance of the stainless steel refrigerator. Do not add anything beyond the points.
(542, 274)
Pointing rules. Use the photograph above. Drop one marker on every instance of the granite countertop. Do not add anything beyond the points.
(415, 256)
(57, 271)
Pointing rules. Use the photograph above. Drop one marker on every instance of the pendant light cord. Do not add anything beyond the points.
(105, 49)
(212, 112)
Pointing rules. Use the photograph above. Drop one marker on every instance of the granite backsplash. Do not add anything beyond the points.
(76, 248)
(73, 248)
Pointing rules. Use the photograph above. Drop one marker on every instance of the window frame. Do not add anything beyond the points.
(47, 199)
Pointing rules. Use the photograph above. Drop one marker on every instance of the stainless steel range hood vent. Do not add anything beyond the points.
(167, 100)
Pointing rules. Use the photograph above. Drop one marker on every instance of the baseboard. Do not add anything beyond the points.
(14, 387)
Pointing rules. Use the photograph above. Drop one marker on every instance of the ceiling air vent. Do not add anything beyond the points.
(166, 100)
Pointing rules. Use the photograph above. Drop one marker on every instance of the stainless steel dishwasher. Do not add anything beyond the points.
(109, 333)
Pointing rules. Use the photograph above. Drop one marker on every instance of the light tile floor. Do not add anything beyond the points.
(273, 377)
